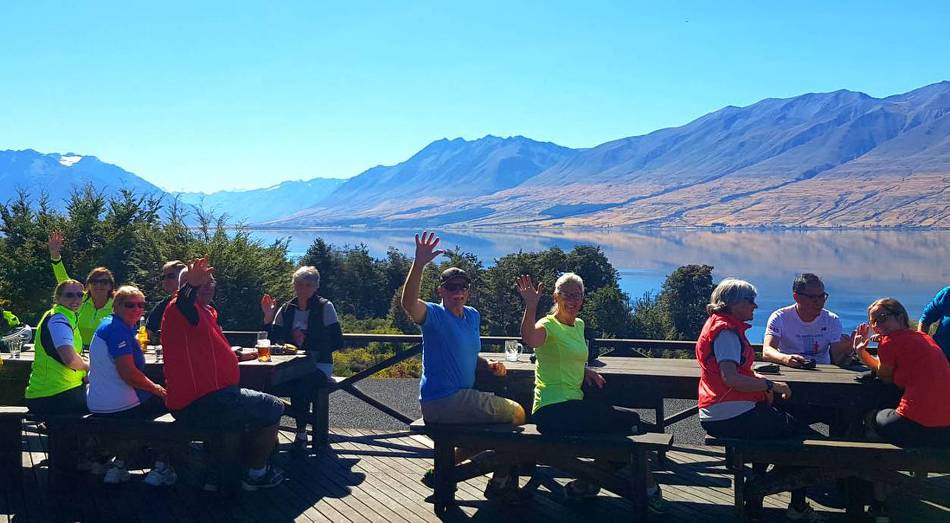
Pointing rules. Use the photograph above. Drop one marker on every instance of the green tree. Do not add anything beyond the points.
(683, 300)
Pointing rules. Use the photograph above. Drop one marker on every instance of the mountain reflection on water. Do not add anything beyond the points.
(857, 266)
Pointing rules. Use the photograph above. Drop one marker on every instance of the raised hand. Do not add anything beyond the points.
(269, 308)
(862, 337)
(497, 368)
(199, 272)
(55, 244)
(529, 293)
(425, 247)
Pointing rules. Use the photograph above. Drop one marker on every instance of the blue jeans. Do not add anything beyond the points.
(232, 408)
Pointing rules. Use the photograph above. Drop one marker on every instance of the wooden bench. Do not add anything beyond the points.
(802, 463)
(11, 443)
(65, 432)
(562, 451)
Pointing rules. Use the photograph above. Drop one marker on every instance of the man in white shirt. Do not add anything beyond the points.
(806, 330)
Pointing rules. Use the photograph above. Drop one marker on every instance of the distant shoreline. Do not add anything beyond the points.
(618, 228)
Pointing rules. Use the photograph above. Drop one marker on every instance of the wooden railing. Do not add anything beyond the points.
(602, 346)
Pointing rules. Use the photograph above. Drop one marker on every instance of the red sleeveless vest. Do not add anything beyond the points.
(712, 388)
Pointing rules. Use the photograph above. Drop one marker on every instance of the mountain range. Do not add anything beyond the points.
(839, 159)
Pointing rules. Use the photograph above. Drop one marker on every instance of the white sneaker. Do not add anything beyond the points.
(161, 477)
(115, 475)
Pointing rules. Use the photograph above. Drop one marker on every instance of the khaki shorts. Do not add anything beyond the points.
(469, 406)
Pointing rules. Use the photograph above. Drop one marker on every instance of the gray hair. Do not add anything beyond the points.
(568, 278)
(804, 280)
(307, 273)
(729, 292)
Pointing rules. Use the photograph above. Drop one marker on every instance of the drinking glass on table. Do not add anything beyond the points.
(15, 345)
(263, 346)
(512, 350)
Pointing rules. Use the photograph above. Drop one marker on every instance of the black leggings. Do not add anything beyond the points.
(589, 415)
(72, 401)
(905, 432)
(303, 392)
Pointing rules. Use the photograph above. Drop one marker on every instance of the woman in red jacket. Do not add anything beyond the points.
(734, 401)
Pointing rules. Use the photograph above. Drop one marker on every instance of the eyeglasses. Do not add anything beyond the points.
(71, 295)
(820, 297)
(170, 276)
(100, 281)
(134, 305)
(455, 287)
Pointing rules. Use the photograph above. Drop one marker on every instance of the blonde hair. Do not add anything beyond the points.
(123, 294)
(58, 291)
(893, 308)
(568, 278)
(728, 293)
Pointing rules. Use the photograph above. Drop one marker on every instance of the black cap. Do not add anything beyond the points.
(453, 273)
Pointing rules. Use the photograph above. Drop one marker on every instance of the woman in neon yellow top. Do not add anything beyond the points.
(97, 298)
(561, 350)
(56, 377)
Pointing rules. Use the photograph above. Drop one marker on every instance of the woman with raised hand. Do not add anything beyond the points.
(561, 350)
(308, 321)
(97, 299)
(914, 362)
(56, 378)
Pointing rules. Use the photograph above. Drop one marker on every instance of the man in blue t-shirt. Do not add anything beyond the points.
(450, 347)
(938, 310)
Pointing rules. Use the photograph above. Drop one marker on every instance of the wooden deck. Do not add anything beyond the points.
(374, 476)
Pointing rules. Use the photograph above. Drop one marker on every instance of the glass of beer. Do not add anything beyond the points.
(263, 347)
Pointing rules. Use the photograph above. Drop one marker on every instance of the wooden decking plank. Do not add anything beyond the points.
(307, 476)
(330, 474)
(383, 470)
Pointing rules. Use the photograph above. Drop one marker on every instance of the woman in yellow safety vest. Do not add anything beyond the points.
(56, 378)
(97, 299)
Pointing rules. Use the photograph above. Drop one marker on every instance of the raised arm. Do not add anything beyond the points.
(425, 253)
(531, 333)
(55, 245)
(862, 338)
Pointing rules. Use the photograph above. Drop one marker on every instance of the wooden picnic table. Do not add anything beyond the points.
(263, 376)
(646, 382)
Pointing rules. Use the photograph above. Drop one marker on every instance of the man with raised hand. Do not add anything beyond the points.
(450, 346)
(202, 377)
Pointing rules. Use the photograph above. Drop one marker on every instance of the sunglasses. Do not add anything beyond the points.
(751, 301)
(572, 296)
(821, 297)
(170, 276)
(454, 287)
(100, 281)
(71, 295)
(134, 305)
(880, 318)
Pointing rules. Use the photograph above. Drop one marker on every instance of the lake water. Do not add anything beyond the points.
(857, 266)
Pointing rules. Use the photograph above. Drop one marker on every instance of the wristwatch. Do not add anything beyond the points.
(768, 385)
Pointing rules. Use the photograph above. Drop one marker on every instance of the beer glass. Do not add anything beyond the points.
(263, 346)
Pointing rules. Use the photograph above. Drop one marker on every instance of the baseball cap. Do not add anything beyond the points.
(453, 273)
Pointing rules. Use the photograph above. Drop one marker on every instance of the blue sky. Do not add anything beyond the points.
(216, 95)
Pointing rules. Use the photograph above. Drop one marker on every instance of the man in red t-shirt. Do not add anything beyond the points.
(202, 376)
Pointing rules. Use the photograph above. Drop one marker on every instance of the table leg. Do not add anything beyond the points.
(639, 463)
